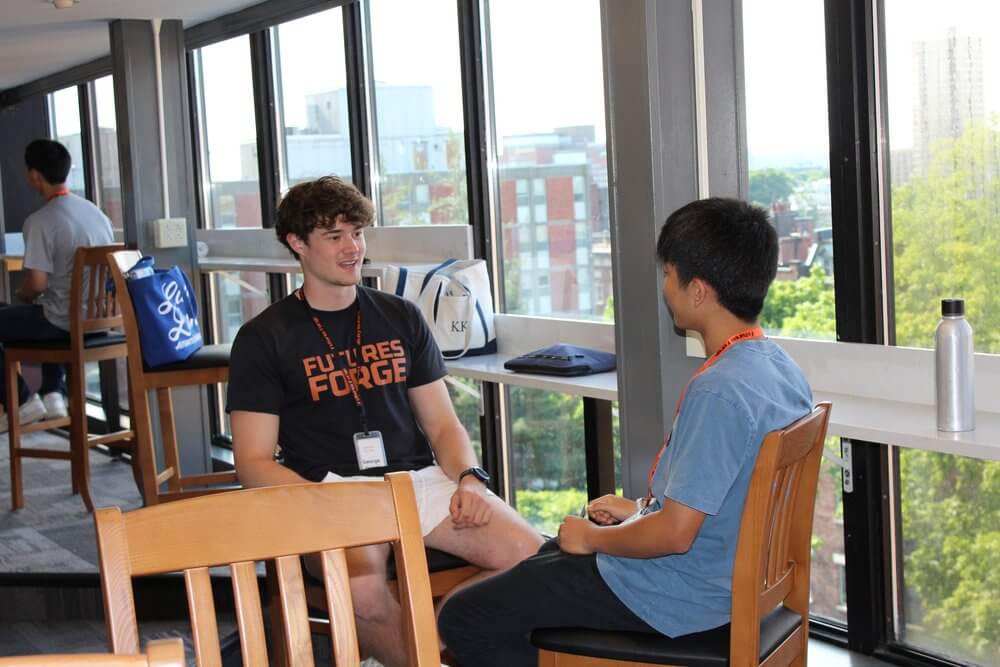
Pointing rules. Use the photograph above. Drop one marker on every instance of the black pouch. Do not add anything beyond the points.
(565, 360)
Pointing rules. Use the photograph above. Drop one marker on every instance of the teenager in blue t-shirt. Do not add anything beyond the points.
(663, 563)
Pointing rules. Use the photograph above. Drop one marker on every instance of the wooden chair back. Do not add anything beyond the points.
(159, 653)
(93, 307)
(117, 264)
(275, 523)
(774, 553)
(142, 381)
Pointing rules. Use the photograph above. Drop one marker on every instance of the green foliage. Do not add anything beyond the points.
(946, 242)
(946, 239)
(768, 186)
(803, 308)
(545, 510)
(951, 529)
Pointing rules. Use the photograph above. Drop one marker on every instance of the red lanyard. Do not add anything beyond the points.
(58, 193)
(333, 350)
(747, 334)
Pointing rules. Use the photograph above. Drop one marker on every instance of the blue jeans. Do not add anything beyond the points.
(21, 323)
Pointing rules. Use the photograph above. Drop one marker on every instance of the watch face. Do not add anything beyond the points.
(479, 474)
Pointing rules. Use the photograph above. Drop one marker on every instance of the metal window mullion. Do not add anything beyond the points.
(87, 142)
(359, 105)
(269, 178)
(859, 297)
(478, 149)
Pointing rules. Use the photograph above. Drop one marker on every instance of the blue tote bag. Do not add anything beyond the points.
(166, 311)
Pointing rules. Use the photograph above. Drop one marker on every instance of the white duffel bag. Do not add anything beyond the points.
(455, 299)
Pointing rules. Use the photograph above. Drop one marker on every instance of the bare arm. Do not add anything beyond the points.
(672, 530)
(33, 283)
(432, 406)
(255, 437)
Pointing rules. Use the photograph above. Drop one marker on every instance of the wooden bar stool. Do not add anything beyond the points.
(94, 316)
(209, 365)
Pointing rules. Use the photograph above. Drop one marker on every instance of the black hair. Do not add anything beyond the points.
(50, 159)
(729, 244)
(321, 203)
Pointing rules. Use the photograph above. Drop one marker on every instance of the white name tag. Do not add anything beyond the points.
(370, 450)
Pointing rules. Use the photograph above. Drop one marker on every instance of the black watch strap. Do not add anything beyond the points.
(476, 472)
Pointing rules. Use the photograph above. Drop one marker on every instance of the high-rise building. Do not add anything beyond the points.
(949, 95)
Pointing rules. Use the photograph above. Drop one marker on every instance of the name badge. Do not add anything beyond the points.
(370, 450)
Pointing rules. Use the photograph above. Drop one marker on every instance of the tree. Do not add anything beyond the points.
(946, 243)
(802, 308)
(946, 240)
(768, 186)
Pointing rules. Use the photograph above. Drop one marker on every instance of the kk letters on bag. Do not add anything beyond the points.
(166, 311)
(456, 301)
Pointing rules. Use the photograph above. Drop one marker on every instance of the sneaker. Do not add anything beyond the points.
(30, 411)
(55, 405)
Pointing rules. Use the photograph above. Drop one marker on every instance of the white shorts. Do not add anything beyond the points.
(432, 488)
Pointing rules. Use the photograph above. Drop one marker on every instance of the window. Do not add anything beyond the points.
(64, 118)
(789, 155)
(418, 110)
(237, 297)
(312, 99)
(943, 101)
(106, 140)
(228, 134)
(557, 143)
(548, 473)
(788, 140)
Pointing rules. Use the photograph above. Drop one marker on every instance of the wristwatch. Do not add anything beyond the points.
(476, 472)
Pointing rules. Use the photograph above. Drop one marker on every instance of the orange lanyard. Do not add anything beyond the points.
(333, 352)
(58, 193)
(747, 334)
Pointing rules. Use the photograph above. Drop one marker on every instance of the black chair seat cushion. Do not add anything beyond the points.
(89, 341)
(437, 561)
(209, 356)
(701, 649)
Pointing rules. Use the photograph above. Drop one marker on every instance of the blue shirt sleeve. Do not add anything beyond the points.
(709, 446)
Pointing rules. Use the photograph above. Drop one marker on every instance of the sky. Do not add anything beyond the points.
(785, 64)
(545, 77)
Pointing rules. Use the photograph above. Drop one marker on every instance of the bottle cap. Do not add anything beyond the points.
(953, 307)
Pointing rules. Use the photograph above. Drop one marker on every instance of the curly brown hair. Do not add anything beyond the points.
(321, 203)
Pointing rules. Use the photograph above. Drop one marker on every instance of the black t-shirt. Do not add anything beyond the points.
(281, 365)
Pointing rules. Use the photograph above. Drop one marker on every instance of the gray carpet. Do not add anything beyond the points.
(54, 533)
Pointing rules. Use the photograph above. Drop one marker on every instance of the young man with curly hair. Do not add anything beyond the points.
(349, 382)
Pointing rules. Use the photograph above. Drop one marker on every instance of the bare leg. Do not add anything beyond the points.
(498, 546)
(376, 611)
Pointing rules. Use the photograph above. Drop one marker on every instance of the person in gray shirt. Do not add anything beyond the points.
(41, 310)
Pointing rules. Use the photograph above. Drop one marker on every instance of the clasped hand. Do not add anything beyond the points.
(470, 505)
(575, 533)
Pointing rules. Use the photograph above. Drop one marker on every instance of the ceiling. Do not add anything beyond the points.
(37, 40)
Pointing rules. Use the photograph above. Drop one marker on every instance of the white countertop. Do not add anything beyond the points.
(904, 424)
(489, 368)
(910, 425)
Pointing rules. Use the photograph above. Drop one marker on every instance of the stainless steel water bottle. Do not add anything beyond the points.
(955, 378)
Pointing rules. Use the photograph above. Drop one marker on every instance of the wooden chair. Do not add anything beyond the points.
(770, 606)
(209, 365)
(94, 315)
(279, 523)
(159, 653)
